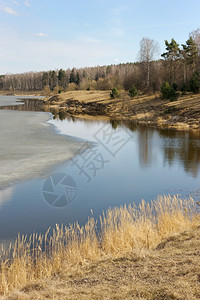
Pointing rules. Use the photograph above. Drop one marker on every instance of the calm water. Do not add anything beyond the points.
(125, 164)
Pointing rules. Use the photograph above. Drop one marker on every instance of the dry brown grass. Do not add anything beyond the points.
(103, 96)
(150, 110)
(79, 261)
(86, 96)
(21, 93)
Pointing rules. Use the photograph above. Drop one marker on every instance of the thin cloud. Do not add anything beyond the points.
(15, 3)
(40, 34)
(38, 54)
(9, 10)
(27, 2)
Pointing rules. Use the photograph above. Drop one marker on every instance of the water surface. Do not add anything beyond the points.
(126, 164)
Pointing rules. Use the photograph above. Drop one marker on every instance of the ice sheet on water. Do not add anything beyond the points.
(29, 147)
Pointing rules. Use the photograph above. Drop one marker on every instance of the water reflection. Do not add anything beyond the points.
(27, 105)
(145, 137)
(182, 146)
(177, 146)
(5, 195)
(61, 114)
(153, 162)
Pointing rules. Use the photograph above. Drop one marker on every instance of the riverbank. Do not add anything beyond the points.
(140, 256)
(168, 273)
(22, 93)
(183, 114)
(148, 110)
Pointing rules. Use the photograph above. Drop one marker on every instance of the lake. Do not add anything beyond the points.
(88, 166)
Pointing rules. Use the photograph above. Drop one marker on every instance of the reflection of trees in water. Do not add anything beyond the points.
(145, 146)
(181, 146)
(184, 146)
(169, 155)
(115, 123)
(28, 105)
(177, 146)
(131, 125)
(61, 114)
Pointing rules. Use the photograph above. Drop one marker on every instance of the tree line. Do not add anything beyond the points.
(178, 66)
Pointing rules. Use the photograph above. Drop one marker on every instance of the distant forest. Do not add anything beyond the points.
(179, 65)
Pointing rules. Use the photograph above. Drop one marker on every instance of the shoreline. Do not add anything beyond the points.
(182, 115)
(145, 110)
(21, 93)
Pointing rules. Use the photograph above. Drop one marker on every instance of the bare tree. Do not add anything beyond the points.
(149, 50)
(195, 34)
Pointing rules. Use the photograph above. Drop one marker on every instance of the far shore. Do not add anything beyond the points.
(144, 109)
(21, 93)
(148, 110)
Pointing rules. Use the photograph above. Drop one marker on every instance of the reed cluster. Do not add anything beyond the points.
(118, 232)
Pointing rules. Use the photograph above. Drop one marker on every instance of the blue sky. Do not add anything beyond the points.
(40, 35)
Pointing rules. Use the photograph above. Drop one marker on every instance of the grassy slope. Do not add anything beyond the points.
(183, 114)
(151, 110)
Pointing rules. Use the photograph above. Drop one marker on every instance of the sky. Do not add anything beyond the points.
(41, 35)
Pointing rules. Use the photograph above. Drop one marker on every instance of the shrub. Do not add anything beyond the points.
(46, 90)
(168, 92)
(133, 91)
(195, 83)
(165, 90)
(72, 87)
(184, 88)
(114, 94)
(174, 86)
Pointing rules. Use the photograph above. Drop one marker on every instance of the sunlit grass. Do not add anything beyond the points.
(128, 229)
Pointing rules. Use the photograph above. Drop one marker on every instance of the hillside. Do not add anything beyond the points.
(182, 114)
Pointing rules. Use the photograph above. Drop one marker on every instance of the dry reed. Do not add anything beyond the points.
(118, 232)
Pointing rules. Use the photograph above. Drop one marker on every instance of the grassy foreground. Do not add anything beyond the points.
(128, 260)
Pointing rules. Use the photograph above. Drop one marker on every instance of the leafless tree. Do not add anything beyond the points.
(195, 34)
(149, 50)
